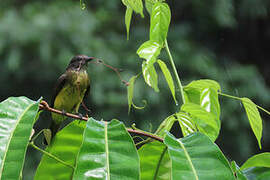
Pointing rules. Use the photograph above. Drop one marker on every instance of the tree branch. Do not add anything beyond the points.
(44, 106)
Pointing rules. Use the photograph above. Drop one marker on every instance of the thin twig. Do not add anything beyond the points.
(140, 132)
(116, 70)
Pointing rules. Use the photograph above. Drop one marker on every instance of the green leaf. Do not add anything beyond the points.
(130, 91)
(257, 173)
(186, 123)
(236, 170)
(160, 21)
(166, 125)
(136, 5)
(204, 93)
(205, 122)
(196, 157)
(128, 17)
(150, 75)
(259, 160)
(17, 116)
(254, 118)
(154, 161)
(149, 51)
(107, 152)
(168, 78)
(65, 146)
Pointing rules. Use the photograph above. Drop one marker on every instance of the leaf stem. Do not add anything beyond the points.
(175, 71)
(34, 138)
(261, 108)
(50, 155)
(240, 99)
(229, 96)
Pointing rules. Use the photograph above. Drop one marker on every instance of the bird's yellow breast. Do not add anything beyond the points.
(71, 95)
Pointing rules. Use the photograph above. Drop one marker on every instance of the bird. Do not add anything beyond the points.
(72, 87)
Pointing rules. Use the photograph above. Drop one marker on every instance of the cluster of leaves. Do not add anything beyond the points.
(200, 110)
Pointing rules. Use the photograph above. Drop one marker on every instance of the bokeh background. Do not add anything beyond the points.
(227, 41)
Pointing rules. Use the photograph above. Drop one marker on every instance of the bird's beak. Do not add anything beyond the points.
(90, 59)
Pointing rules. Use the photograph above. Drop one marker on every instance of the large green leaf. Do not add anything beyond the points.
(259, 160)
(204, 93)
(205, 121)
(64, 146)
(160, 21)
(149, 51)
(168, 78)
(254, 118)
(155, 162)
(136, 5)
(17, 116)
(150, 75)
(257, 173)
(186, 123)
(107, 152)
(197, 157)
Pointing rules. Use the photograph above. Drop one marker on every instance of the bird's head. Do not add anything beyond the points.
(79, 62)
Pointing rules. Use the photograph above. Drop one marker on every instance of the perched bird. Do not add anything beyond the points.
(70, 90)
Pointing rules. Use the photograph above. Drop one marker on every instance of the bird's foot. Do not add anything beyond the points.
(80, 115)
(64, 112)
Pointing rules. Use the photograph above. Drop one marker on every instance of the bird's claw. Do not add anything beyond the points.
(64, 112)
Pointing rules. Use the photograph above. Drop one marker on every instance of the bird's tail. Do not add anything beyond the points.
(54, 127)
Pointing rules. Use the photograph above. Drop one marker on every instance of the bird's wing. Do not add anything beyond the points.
(59, 85)
(85, 98)
(86, 92)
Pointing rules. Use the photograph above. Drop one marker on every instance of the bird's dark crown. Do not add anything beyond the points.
(78, 62)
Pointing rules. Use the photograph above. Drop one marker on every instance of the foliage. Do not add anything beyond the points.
(202, 102)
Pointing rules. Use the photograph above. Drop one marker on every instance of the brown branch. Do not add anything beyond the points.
(145, 134)
(116, 70)
(44, 105)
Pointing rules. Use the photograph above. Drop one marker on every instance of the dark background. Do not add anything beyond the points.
(227, 41)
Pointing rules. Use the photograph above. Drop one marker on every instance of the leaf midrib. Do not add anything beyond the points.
(107, 151)
(189, 160)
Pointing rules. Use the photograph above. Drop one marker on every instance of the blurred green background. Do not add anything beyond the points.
(227, 41)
